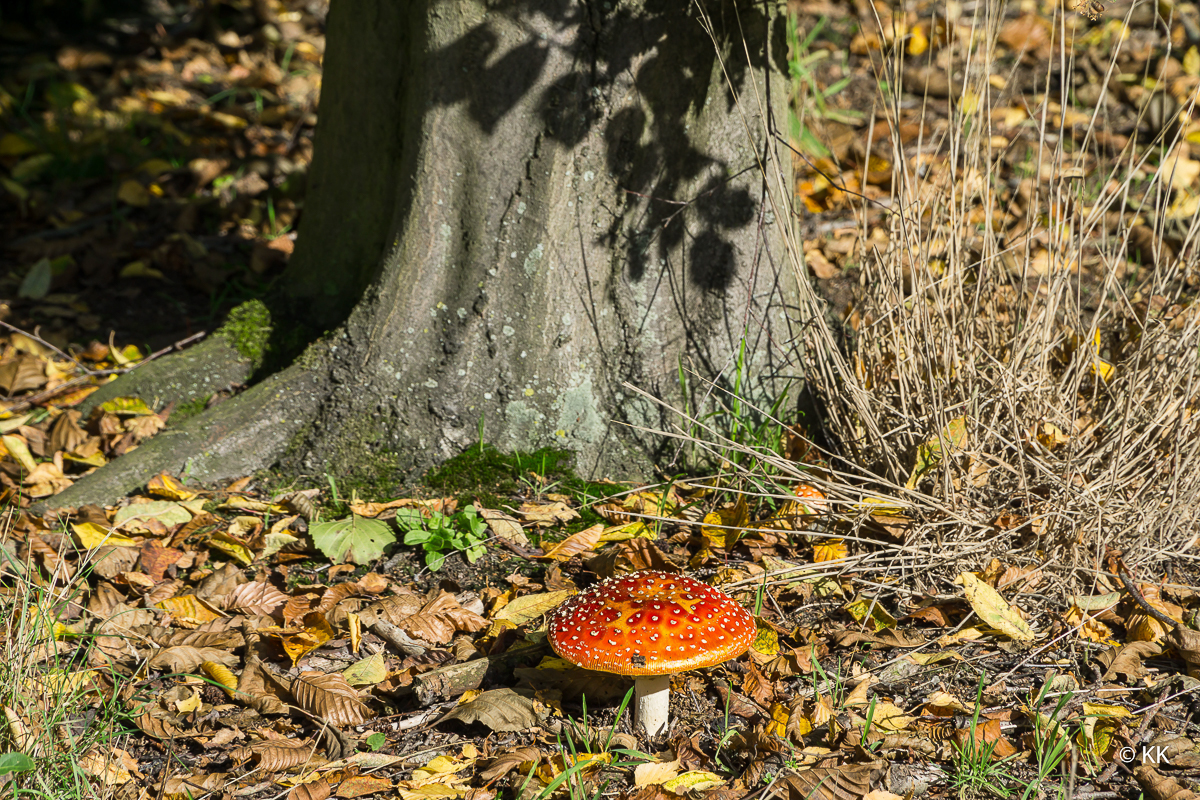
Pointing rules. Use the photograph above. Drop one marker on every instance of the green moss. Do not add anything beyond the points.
(248, 328)
(489, 477)
(191, 408)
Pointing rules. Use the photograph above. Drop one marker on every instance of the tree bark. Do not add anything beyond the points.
(514, 209)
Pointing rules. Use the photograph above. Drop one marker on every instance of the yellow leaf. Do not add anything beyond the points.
(1191, 62)
(864, 608)
(697, 780)
(155, 167)
(188, 704)
(992, 608)
(89, 536)
(132, 193)
(780, 715)
(231, 547)
(12, 144)
(630, 530)
(766, 641)
(140, 269)
(654, 773)
(222, 675)
(17, 448)
(829, 550)
(889, 717)
(532, 606)
(1049, 435)
(189, 609)
(918, 42)
(1106, 710)
(126, 406)
(367, 672)
(929, 454)
(165, 486)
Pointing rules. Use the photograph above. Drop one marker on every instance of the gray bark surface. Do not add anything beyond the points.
(197, 373)
(581, 206)
(521, 206)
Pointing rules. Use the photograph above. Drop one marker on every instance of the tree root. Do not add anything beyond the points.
(246, 433)
(194, 374)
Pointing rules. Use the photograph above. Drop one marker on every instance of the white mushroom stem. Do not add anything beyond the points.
(653, 702)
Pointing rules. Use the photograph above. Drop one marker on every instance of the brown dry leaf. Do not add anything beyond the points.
(582, 542)
(276, 755)
(299, 605)
(316, 790)
(640, 504)
(545, 515)
(443, 505)
(1160, 787)
(256, 599)
(630, 556)
(65, 433)
(145, 426)
(156, 723)
(336, 594)
(330, 697)
(260, 690)
(509, 760)
(1127, 659)
(201, 784)
(156, 559)
(502, 710)
(185, 658)
(440, 619)
(845, 782)
(22, 373)
(1187, 643)
(505, 527)
(361, 785)
(818, 264)
(47, 479)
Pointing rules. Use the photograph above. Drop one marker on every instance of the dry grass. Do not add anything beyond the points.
(1076, 373)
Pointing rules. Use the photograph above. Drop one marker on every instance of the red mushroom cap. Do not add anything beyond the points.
(812, 499)
(650, 623)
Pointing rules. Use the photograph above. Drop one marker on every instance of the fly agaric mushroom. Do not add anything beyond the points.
(812, 500)
(650, 624)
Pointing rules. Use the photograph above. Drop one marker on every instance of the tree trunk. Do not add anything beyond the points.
(515, 211)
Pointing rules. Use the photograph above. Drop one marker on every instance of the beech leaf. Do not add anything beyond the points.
(357, 539)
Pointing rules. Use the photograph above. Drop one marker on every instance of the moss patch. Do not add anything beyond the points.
(487, 476)
(248, 329)
(189, 409)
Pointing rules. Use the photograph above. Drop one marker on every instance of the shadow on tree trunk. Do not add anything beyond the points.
(514, 209)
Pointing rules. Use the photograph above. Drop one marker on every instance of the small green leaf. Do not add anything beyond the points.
(410, 519)
(15, 762)
(376, 740)
(417, 536)
(434, 560)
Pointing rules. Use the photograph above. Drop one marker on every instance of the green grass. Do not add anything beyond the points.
(57, 718)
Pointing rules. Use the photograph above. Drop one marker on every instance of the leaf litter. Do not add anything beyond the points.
(296, 643)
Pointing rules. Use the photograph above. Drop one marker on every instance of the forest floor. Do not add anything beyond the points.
(261, 640)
